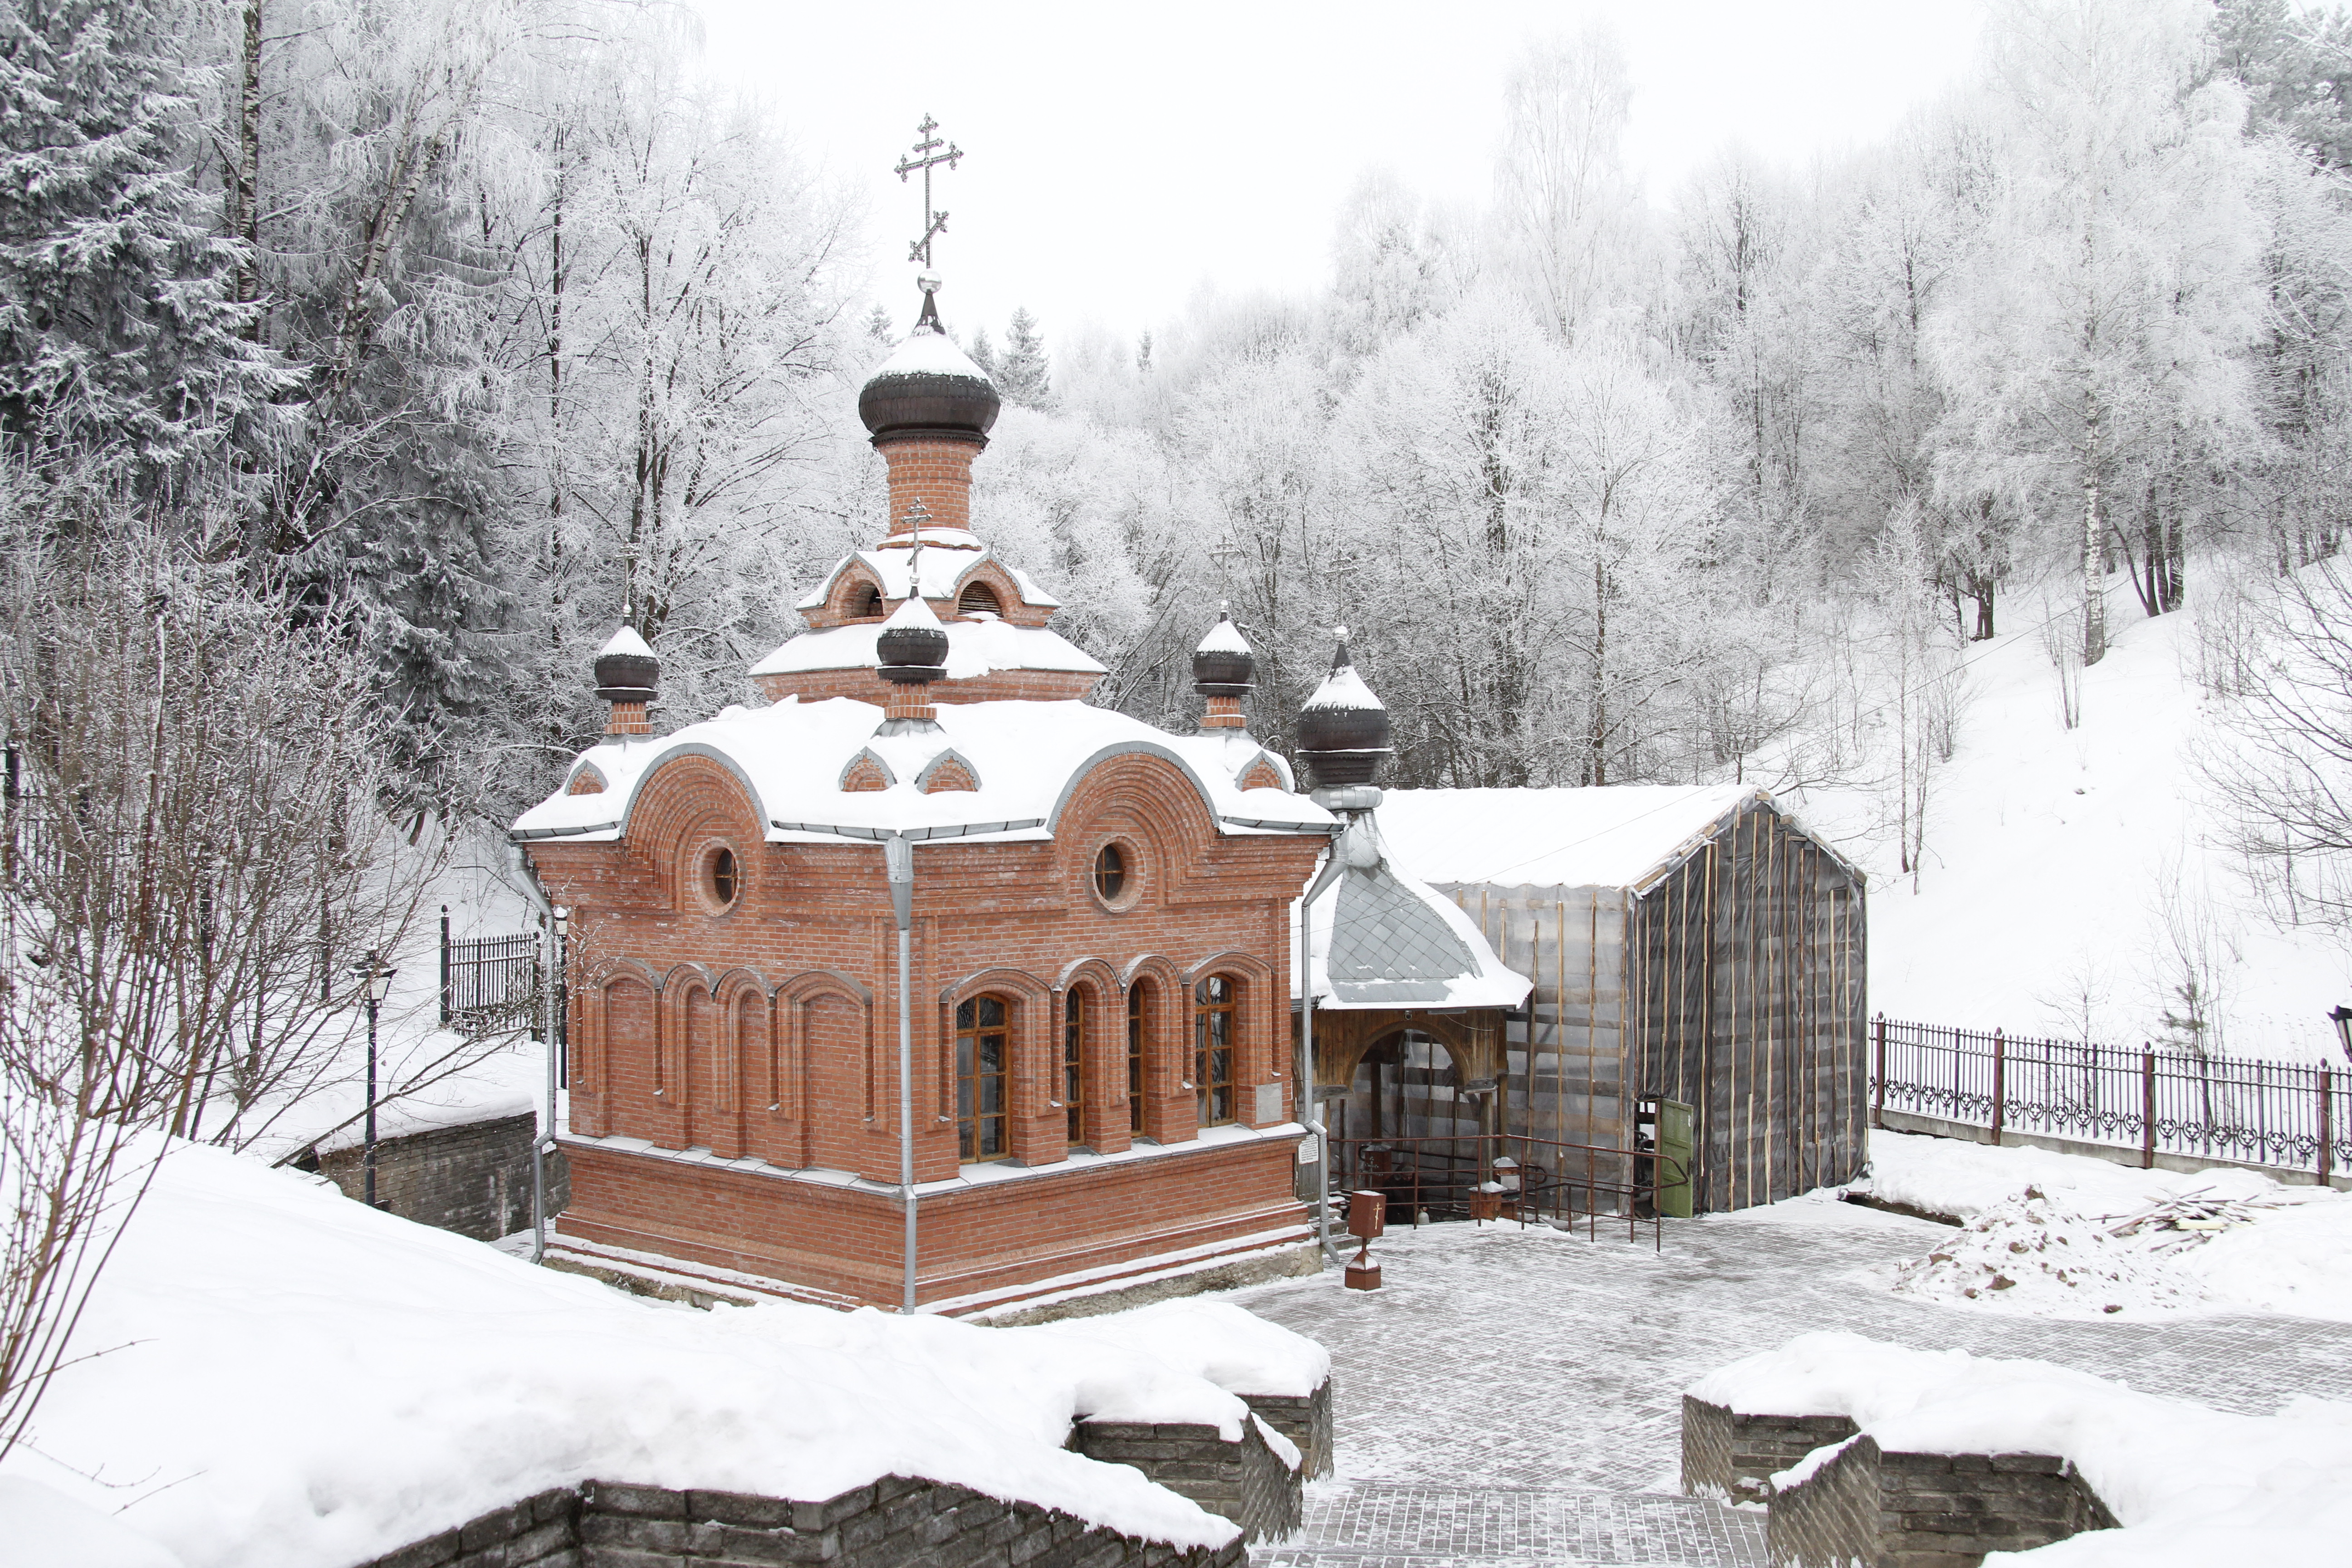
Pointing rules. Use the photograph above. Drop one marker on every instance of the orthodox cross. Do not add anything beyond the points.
(927, 155)
(917, 517)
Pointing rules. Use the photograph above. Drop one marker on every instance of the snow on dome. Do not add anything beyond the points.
(1224, 637)
(1343, 688)
(627, 640)
(912, 612)
(929, 352)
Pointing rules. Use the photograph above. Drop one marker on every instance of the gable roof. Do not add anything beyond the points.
(1611, 837)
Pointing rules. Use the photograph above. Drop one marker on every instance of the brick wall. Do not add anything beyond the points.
(1929, 1510)
(1728, 1454)
(473, 1179)
(893, 1522)
(1244, 1481)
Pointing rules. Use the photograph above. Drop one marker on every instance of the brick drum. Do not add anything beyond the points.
(891, 1523)
(474, 1179)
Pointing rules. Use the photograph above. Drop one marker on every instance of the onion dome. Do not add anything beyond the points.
(626, 669)
(1343, 730)
(1223, 665)
(929, 387)
(913, 647)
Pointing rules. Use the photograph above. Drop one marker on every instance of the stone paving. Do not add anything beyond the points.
(1515, 1397)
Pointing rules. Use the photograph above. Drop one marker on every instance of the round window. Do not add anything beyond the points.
(723, 876)
(1110, 873)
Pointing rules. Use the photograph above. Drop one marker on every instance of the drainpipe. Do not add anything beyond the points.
(1305, 1076)
(898, 857)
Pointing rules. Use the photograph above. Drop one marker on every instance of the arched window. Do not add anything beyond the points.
(984, 1049)
(978, 598)
(1215, 1032)
(1074, 1062)
(1137, 1020)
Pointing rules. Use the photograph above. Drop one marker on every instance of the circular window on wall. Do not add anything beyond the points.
(1115, 876)
(721, 877)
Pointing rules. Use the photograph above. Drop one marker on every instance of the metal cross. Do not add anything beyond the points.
(925, 156)
(917, 517)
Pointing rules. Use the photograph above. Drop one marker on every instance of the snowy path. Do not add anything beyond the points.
(1553, 1368)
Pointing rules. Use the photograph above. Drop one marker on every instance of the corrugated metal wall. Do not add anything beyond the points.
(1732, 982)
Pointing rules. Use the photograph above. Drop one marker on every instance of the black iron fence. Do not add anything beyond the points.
(1504, 1176)
(2289, 1115)
(490, 982)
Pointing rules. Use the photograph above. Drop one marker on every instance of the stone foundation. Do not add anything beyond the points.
(1733, 1455)
(893, 1522)
(1246, 1481)
(1929, 1510)
(474, 1179)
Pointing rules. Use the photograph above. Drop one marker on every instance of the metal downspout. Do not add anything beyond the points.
(1305, 1075)
(898, 858)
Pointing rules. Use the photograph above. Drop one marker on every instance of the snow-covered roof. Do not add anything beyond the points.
(627, 640)
(1606, 837)
(929, 352)
(1343, 688)
(1026, 757)
(1224, 637)
(974, 648)
(949, 555)
(1382, 938)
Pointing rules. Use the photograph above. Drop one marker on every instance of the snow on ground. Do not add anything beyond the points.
(289, 1380)
(2067, 1236)
(2189, 1485)
(2066, 871)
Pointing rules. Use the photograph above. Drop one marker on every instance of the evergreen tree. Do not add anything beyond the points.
(118, 332)
(878, 324)
(1022, 377)
(984, 352)
(1143, 354)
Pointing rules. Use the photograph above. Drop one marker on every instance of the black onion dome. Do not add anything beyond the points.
(1343, 730)
(929, 385)
(1224, 666)
(912, 647)
(626, 669)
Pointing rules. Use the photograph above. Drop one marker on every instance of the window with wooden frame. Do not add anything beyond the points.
(1139, 1018)
(1074, 1062)
(1215, 1034)
(983, 1056)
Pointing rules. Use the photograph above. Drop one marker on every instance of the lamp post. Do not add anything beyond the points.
(2342, 1019)
(559, 927)
(375, 977)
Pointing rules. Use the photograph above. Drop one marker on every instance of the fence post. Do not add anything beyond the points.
(445, 966)
(1878, 1071)
(1999, 1084)
(2326, 1130)
(2147, 1107)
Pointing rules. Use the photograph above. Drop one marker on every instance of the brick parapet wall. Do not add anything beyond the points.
(1927, 1510)
(474, 1179)
(1733, 1456)
(1244, 1481)
(889, 1523)
(1306, 1420)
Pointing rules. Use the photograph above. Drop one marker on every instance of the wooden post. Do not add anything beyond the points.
(1878, 1070)
(2147, 1108)
(1999, 1084)
(2326, 1130)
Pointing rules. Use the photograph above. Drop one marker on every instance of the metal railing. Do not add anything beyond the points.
(2288, 1115)
(1452, 1177)
(490, 982)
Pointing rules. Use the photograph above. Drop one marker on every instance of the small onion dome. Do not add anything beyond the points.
(1222, 666)
(626, 669)
(913, 647)
(1343, 730)
(928, 385)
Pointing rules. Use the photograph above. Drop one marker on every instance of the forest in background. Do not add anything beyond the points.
(467, 331)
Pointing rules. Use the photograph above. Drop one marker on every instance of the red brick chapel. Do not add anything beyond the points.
(1099, 935)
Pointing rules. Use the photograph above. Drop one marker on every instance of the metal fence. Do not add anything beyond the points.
(2289, 1115)
(1504, 1176)
(490, 982)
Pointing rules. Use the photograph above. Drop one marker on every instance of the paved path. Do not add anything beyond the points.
(1553, 1368)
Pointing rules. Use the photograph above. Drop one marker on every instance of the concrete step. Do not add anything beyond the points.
(1406, 1524)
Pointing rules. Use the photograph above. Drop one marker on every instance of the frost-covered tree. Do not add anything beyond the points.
(1024, 374)
(1568, 217)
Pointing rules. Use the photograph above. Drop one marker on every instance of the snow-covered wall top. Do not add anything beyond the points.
(1607, 838)
(1024, 756)
(974, 649)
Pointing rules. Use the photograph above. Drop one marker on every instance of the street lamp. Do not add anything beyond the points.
(558, 1025)
(374, 977)
(2343, 1019)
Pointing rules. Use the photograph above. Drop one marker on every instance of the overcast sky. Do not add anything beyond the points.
(1120, 157)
